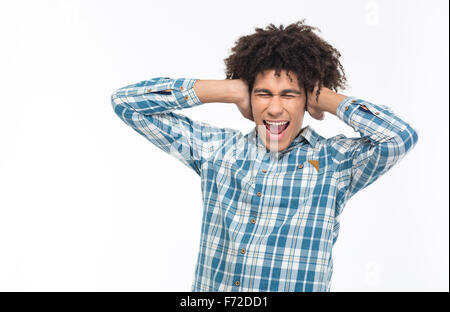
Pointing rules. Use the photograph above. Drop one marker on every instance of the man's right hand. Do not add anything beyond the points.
(225, 91)
(243, 98)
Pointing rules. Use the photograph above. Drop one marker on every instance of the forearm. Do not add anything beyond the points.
(329, 101)
(216, 91)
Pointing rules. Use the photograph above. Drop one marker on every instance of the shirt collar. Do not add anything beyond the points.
(307, 134)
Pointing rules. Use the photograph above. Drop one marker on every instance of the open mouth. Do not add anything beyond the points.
(276, 127)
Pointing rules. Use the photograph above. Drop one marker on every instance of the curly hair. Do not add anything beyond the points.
(295, 48)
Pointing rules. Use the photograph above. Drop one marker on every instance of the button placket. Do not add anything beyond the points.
(364, 107)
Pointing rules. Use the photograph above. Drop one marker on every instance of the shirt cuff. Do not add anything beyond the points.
(345, 110)
(183, 90)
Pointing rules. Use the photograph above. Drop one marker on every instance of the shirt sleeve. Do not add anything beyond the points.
(384, 140)
(148, 109)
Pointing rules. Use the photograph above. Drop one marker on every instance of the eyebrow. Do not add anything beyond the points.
(284, 91)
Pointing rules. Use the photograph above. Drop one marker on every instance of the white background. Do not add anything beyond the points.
(87, 204)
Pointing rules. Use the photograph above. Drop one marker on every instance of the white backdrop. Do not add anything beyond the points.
(87, 204)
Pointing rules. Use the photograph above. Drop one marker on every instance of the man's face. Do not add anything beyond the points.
(278, 107)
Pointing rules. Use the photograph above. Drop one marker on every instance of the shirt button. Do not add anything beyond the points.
(242, 251)
(346, 107)
(186, 97)
(300, 166)
(237, 283)
(353, 101)
(364, 107)
(149, 90)
(377, 113)
(181, 88)
(259, 194)
(253, 221)
(264, 170)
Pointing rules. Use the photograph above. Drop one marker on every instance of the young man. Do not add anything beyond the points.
(272, 197)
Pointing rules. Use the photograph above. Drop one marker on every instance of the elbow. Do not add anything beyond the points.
(116, 103)
(409, 137)
(114, 98)
(400, 145)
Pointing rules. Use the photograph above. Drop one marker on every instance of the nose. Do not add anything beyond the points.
(275, 107)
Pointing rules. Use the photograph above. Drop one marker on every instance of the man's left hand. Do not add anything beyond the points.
(328, 102)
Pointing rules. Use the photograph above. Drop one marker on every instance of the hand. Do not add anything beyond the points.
(313, 106)
(243, 99)
(328, 102)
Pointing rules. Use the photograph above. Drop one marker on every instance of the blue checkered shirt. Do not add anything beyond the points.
(270, 219)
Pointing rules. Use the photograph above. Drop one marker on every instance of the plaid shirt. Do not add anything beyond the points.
(270, 219)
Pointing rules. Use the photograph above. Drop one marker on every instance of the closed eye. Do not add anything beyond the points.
(283, 95)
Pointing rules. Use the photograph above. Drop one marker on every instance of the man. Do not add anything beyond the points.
(272, 197)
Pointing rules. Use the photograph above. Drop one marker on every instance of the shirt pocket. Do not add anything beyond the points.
(309, 177)
(289, 191)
